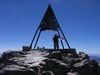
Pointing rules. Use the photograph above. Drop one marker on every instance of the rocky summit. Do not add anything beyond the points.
(41, 62)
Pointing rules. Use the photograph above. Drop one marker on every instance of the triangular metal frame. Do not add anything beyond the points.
(42, 28)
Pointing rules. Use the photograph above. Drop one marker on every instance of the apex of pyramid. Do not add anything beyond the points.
(49, 5)
(49, 21)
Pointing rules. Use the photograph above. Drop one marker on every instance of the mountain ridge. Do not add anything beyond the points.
(39, 62)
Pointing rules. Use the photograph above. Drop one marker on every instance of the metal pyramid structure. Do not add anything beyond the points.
(49, 22)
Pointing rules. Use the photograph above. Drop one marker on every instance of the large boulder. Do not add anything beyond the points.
(56, 55)
(83, 55)
(10, 54)
(47, 73)
(56, 66)
(72, 73)
(17, 72)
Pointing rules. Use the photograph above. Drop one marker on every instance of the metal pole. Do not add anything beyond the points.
(37, 39)
(60, 40)
(34, 38)
(64, 37)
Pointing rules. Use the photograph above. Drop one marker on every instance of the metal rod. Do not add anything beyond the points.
(60, 40)
(37, 39)
(64, 37)
(34, 38)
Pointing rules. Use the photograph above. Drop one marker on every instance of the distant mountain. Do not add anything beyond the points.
(96, 57)
(0, 54)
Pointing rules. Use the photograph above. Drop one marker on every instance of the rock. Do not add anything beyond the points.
(37, 70)
(17, 72)
(0, 59)
(84, 67)
(2, 72)
(56, 55)
(39, 62)
(68, 59)
(56, 66)
(83, 55)
(72, 73)
(70, 51)
(9, 54)
(47, 73)
(82, 63)
(26, 48)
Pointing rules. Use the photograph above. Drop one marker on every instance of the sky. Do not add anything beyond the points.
(78, 19)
